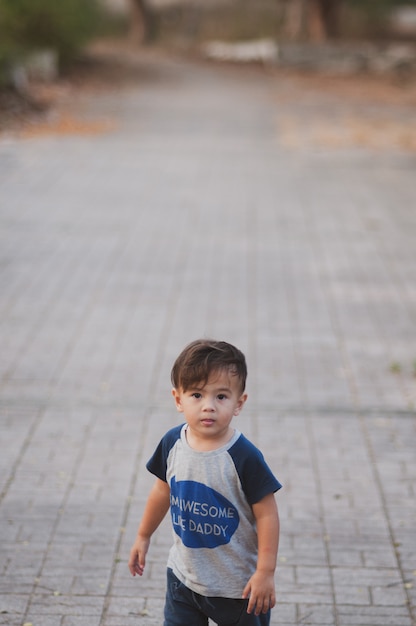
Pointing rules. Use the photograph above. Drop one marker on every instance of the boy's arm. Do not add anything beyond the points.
(260, 587)
(155, 510)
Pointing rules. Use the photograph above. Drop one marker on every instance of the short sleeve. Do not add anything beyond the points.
(256, 477)
(157, 463)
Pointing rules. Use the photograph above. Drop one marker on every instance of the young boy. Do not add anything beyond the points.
(220, 492)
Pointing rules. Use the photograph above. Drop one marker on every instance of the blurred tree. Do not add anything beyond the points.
(294, 18)
(323, 19)
(314, 19)
(65, 26)
(320, 20)
(142, 25)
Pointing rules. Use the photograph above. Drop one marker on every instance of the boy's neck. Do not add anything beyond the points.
(207, 444)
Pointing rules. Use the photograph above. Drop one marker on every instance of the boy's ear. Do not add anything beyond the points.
(177, 398)
(240, 403)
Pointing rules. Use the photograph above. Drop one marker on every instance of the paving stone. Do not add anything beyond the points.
(313, 614)
(373, 616)
(191, 218)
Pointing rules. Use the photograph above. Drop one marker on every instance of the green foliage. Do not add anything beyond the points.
(64, 25)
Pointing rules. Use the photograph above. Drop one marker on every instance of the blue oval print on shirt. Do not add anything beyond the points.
(201, 516)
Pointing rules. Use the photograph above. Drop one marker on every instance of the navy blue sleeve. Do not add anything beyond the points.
(256, 477)
(157, 463)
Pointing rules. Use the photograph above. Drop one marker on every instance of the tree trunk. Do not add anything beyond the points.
(331, 10)
(294, 19)
(323, 19)
(316, 26)
(141, 22)
(317, 20)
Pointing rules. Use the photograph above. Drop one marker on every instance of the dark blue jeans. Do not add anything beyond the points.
(184, 607)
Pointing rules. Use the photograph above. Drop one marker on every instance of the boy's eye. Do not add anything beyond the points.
(222, 396)
(196, 394)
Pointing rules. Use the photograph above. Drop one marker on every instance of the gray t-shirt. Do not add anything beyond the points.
(211, 496)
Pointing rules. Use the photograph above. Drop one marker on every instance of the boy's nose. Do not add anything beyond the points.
(209, 405)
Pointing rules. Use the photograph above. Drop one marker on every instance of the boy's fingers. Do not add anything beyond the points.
(260, 605)
(132, 568)
(136, 569)
(246, 591)
(135, 566)
(251, 606)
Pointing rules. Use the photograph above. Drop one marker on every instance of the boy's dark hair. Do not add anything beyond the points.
(203, 357)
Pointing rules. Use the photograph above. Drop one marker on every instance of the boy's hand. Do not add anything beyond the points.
(137, 559)
(261, 593)
(157, 506)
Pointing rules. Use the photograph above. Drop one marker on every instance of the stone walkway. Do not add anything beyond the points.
(188, 215)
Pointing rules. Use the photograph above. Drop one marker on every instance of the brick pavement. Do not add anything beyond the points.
(191, 217)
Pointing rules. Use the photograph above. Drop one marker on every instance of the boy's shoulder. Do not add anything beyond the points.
(172, 436)
(157, 463)
(243, 445)
(173, 432)
(256, 477)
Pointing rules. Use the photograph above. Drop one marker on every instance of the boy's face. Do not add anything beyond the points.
(209, 408)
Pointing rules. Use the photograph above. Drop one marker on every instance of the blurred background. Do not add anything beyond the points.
(236, 168)
(43, 38)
